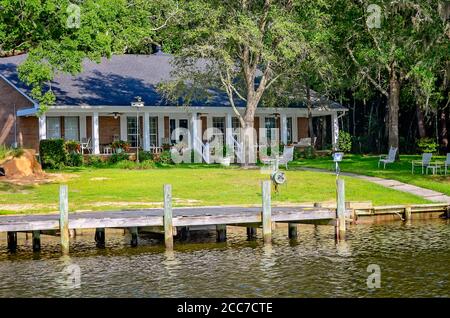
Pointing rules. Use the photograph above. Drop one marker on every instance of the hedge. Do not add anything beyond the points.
(52, 153)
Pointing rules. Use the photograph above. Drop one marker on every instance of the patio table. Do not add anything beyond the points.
(435, 166)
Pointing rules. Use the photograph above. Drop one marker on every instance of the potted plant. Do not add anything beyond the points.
(227, 155)
(120, 146)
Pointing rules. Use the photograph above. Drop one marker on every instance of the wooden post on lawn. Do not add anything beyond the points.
(267, 212)
(221, 230)
(340, 211)
(36, 241)
(12, 241)
(134, 236)
(100, 237)
(64, 218)
(168, 225)
(407, 216)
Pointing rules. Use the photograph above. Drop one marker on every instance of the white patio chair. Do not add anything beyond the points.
(447, 163)
(86, 145)
(287, 156)
(390, 158)
(424, 163)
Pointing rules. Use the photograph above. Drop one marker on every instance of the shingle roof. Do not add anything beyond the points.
(116, 81)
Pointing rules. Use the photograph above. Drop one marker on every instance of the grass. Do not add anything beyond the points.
(401, 171)
(105, 189)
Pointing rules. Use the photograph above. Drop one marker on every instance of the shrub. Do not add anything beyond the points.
(117, 157)
(147, 164)
(344, 141)
(74, 159)
(126, 164)
(95, 161)
(427, 145)
(72, 146)
(164, 158)
(52, 153)
(297, 154)
(14, 152)
(309, 152)
(145, 155)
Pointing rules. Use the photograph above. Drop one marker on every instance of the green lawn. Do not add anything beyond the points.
(401, 171)
(101, 189)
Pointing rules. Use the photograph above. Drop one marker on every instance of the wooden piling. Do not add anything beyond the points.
(407, 214)
(12, 241)
(221, 231)
(64, 218)
(292, 230)
(267, 212)
(340, 211)
(134, 236)
(168, 225)
(251, 233)
(100, 237)
(36, 241)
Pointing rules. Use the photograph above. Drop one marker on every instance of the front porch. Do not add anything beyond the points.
(154, 127)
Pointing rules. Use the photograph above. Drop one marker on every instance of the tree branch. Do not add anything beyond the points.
(365, 74)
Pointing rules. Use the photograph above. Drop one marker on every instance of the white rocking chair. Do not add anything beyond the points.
(390, 158)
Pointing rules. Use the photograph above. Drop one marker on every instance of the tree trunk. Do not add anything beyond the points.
(310, 117)
(394, 100)
(444, 130)
(420, 122)
(248, 134)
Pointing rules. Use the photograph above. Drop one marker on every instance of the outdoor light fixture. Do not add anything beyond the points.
(337, 157)
(138, 103)
(116, 115)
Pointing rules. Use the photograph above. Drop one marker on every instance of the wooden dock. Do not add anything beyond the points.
(167, 220)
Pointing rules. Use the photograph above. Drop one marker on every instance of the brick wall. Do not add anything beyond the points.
(10, 97)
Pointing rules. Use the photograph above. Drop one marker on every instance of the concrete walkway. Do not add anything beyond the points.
(427, 194)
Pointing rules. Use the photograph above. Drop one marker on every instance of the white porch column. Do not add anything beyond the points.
(160, 130)
(42, 127)
(146, 131)
(229, 131)
(95, 134)
(334, 130)
(283, 130)
(194, 131)
(123, 127)
(294, 129)
(83, 130)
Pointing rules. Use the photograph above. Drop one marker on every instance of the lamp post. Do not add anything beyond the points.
(138, 103)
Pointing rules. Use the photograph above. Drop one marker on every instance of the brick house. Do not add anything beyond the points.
(96, 105)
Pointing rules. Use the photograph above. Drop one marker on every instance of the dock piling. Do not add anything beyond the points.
(168, 224)
(12, 241)
(251, 233)
(267, 212)
(36, 241)
(340, 211)
(221, 230)
(134, 236)
(100, 237)
(407, 214)
(64, 218)
(292, 231)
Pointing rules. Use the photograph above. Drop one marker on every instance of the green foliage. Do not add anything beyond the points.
(164, 158)
(125, 164)
(7, 151)
(145, 155)
(52, 153)
(344, 141)
(117, 157)
(72, 146)
(427, 145)
(74, 159)
(120, 144)
(309, 153)
(147, 164)
(95, 161)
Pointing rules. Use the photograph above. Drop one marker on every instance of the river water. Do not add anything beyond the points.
(413, 260)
